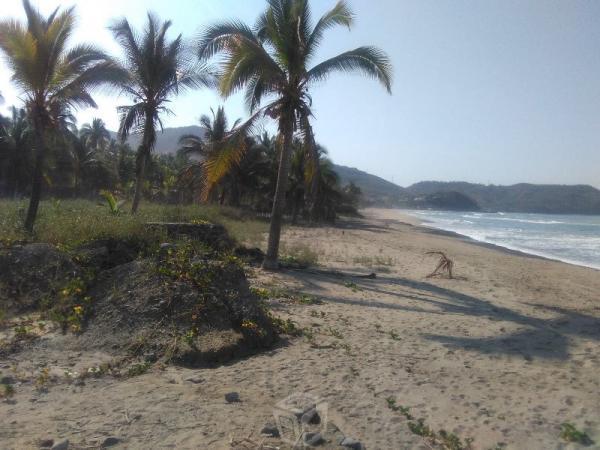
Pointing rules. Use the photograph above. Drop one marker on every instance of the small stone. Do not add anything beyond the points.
(270, 430)
(351, 443)
(46, 443)
(313, 438)
(62, 445)
(311, 417)
(79, 382)
(232, 397)
(198, 380)
(110, 441)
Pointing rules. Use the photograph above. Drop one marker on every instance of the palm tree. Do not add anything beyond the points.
(157, 70)
(15, 150)
(52, 76)
(83, 156)
(95, 134)
(273, 61)
(220, 152)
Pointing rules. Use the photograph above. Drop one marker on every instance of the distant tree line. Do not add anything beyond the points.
(81, 162)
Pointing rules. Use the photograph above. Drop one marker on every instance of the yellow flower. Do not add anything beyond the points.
(78, 310)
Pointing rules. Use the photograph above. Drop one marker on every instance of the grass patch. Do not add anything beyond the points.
(442, 438)
(299, 255)
(73, 222)
(138, 369)
(353, 286)
(570, 433)
(293, 296)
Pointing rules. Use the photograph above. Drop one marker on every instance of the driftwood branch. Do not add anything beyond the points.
(445, 264)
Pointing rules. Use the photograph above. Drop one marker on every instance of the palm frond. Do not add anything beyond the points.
(340, 14)
(369, 60)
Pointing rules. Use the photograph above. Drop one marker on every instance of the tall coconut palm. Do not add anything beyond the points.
(157, 70)
(273, 61)
(52, 76)
(95, 135)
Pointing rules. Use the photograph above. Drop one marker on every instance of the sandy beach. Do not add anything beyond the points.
(504, 354)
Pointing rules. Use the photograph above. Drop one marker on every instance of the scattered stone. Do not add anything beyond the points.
(232, 397)
(7, 380)
(46, 443)
(197, 380)
(311, 417)
(311, 438)
(270, 430)
(62, 445)
(110, 441)
(351, 443)
(79, 382)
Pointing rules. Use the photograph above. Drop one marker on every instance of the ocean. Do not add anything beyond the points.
(573, 239)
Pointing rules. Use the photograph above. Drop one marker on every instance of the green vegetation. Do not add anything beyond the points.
(138, 369)
(570, 433)
(445, 440)
(353, 286)
(299, 256)
(8, 391)
(79, 221)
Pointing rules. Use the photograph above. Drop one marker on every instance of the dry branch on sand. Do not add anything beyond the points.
(445, 264)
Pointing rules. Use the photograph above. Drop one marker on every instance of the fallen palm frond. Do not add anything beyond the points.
(445, 264)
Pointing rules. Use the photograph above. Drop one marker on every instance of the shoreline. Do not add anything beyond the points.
(421, 224)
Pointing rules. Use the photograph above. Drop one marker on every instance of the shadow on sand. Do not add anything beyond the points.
(546, 338)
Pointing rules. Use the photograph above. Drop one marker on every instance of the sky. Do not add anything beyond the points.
(494, 92)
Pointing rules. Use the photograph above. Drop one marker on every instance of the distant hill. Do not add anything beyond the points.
(448, 200)
(166, 142)
(375, 190)
(531, 198)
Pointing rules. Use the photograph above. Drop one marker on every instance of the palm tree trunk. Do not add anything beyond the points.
(139, 180)
(36, 184)
(143, 153)
(270, 262)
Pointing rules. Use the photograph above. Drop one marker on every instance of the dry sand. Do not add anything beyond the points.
(505, 353)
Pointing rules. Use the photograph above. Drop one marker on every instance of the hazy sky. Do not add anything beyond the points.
(484, 91)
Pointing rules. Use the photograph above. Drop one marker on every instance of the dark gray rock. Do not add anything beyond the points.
(270, 430)
(46, 443)
(351, 443)
(311, 417)
(312, 438)
(232, 397)
(110, 441)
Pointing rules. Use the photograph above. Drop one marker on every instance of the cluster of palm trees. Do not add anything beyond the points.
(271, 61)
